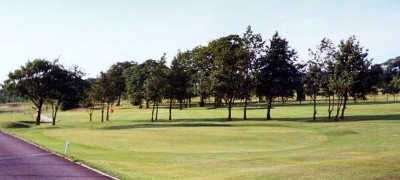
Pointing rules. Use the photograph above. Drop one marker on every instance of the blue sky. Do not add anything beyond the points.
(94, 34)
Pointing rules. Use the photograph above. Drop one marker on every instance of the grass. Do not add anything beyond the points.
(201, 144)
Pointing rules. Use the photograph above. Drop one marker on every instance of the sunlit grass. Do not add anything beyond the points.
(200, 144)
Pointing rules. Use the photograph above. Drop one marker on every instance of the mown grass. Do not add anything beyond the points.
(200, 144)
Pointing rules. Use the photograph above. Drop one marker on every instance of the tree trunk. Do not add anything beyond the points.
(147, 104)
(55, 108)
(269, 105)
(315, 107)
(39, 111)
(157, 112)
(202, 101)
(245, 109)
(90, 114)
(119, 101)
(108, 112)
(102, 113)
(170, 109)
(152, 113)
(229, 110)
(344, 106)
(180, 104)
(330, 106)
(190, 102)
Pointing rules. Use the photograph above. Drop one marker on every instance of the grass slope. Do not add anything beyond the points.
(200, 144)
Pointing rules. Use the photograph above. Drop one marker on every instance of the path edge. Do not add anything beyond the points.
(59, 155)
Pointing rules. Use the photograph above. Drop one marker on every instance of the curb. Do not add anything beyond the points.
(61, 156)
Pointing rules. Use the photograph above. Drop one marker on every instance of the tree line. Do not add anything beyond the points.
(228, 69)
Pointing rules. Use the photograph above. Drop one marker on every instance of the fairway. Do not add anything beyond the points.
(200, 144)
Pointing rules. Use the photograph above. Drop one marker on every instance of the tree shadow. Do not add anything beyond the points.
(16, 125)
(156, 125)
(223, 122)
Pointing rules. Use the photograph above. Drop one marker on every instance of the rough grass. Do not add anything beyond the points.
(200, 144)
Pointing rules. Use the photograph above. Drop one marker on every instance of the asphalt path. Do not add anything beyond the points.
(23, 161)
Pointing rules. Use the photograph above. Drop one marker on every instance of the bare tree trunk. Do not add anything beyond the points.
(339, 105)
(54, 108)
(180, 104)
(245, 109)
(39, 111)
(190, 102)
(152, 113)
(90, 114)
(387, 99)
(108, 112)
(344, 106)
(102, 112)
(331, 105)
(157, 112)
(269, 105)
(230, 110)
(202, 101)
(315, 107)
(170, 109)
(147, 104)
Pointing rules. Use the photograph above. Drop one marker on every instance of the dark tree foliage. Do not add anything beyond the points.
(76, 90)
(64, 84)
(202, 67)
(33, 80)
(276, 72)
(254, 45)
(179, 82)
(156, 85)
(104, 92)
(351, 73)
(229, 56)
(116, 73)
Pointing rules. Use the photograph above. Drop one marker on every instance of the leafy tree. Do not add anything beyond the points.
(351, 73)
(3, 95)
(392, 88)
(116, 73)
(315, 76)
(202, 67)
(33, 80)
(89, 101)
(300, 81)
(313, 83)
(64, 83)
(178, 82)
(327, 52)
(276, 72)
(254, 44)
(229, 54)
(156, 85)
(104, 92)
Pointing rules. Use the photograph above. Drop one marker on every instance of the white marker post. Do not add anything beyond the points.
(66, 147)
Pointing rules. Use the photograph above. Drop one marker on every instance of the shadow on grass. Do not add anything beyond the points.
(16, 125)
(156, 125)
(222, 122)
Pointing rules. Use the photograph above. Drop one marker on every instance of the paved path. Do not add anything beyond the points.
(22, 161)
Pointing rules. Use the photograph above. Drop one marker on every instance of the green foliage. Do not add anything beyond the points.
(230, 61)
(34, 81)
(276, 72)
(116, 73)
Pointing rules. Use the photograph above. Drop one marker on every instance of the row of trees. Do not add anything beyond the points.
(229, 69)
(237, 68)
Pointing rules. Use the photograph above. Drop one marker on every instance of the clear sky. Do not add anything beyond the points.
(94, 34)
